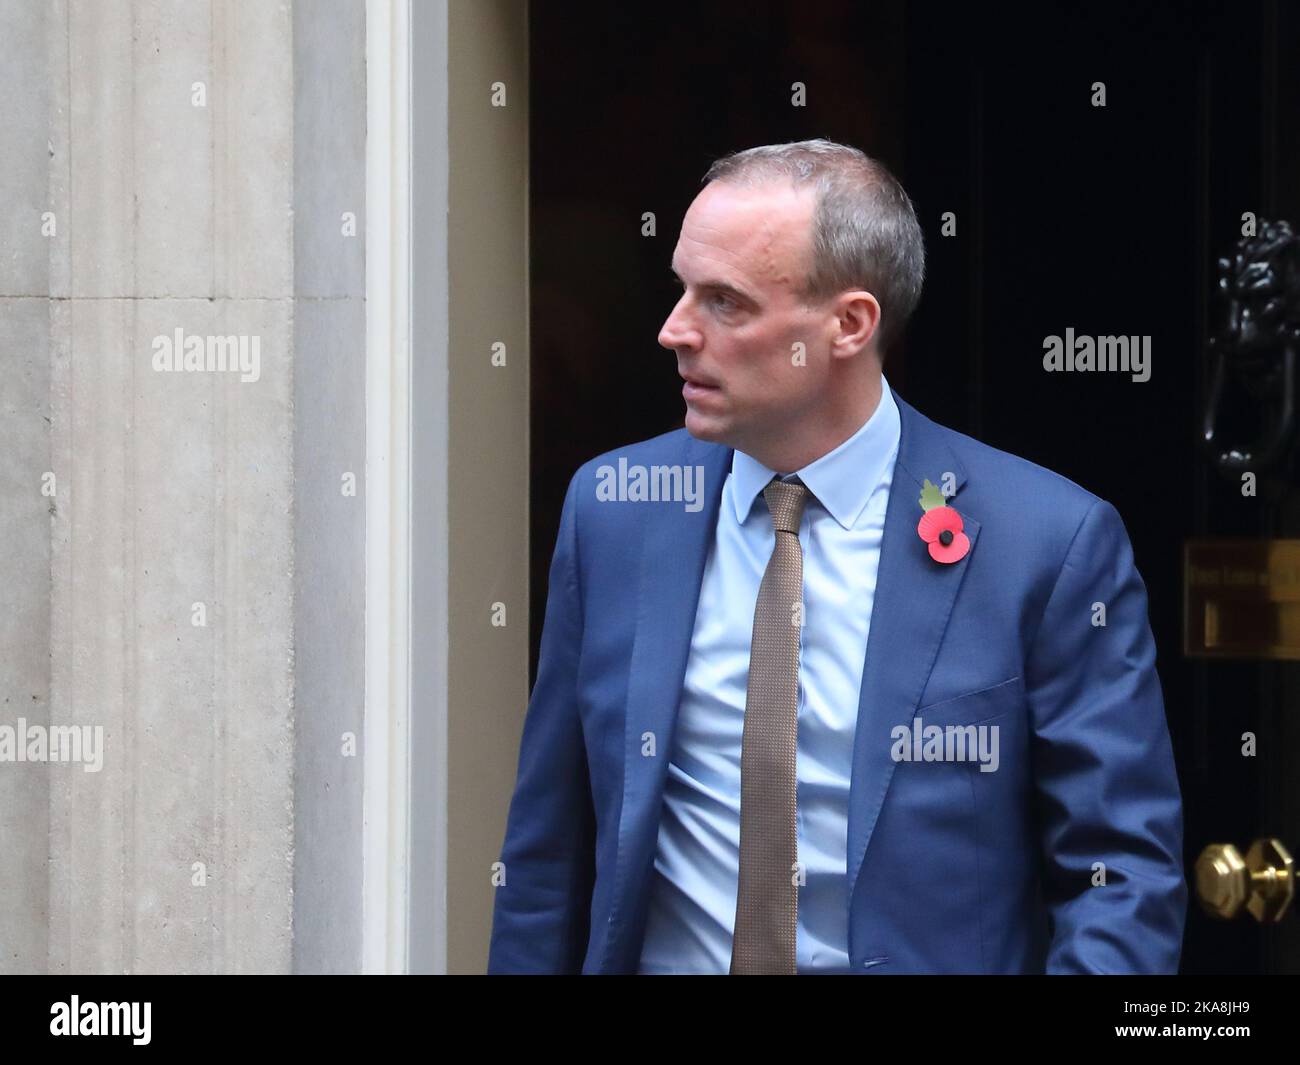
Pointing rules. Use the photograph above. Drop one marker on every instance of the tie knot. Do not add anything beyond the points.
(785, 499)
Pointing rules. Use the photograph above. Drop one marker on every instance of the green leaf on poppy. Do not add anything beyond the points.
(931, 497)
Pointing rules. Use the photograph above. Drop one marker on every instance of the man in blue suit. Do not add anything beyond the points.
(824, 686)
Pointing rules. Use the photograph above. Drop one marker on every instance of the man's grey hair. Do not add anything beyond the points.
(864, 229)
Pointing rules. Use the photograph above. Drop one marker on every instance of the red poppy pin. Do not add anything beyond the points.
(940, 527)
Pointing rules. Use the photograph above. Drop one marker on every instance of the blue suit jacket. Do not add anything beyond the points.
(949, 869)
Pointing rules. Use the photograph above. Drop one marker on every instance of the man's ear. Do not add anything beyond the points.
(858, 312)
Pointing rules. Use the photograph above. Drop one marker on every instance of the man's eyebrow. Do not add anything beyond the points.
(720, 286)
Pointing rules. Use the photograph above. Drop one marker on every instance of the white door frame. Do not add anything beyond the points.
(404, 820)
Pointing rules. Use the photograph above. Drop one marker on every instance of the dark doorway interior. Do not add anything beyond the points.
(1106, 220)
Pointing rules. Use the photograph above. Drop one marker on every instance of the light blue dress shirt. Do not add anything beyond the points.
(692, 908)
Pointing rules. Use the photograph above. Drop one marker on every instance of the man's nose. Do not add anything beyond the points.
(677, 332)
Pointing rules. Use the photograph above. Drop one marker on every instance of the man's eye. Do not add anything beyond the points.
(718, 299)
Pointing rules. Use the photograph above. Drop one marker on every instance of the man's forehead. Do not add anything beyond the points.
(744, 212)
(763, 231)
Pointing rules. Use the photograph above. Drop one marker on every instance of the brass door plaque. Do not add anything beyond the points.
(1241, 599)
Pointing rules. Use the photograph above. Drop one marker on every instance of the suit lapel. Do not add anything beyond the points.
(913, 601)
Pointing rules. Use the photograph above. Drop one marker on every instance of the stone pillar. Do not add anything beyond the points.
(177, 170)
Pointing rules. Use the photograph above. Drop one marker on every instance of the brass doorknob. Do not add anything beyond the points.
(1263, 882)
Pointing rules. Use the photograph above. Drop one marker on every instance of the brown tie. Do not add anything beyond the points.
(767, 894)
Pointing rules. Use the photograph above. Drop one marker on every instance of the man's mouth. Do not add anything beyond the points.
(698, 383)
(695, 388)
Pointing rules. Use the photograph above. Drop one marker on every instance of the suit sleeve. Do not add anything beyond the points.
(542, 910)
(1106, 787)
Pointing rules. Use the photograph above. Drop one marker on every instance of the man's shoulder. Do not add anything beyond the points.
(676, 445)
(675, 448)
(1009, 489)
(671, 467)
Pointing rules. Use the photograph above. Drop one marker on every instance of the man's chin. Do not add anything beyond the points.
(707, 429)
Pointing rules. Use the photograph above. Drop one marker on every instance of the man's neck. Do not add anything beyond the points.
(788, 455)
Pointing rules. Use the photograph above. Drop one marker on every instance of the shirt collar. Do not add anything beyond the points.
(842, 480)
